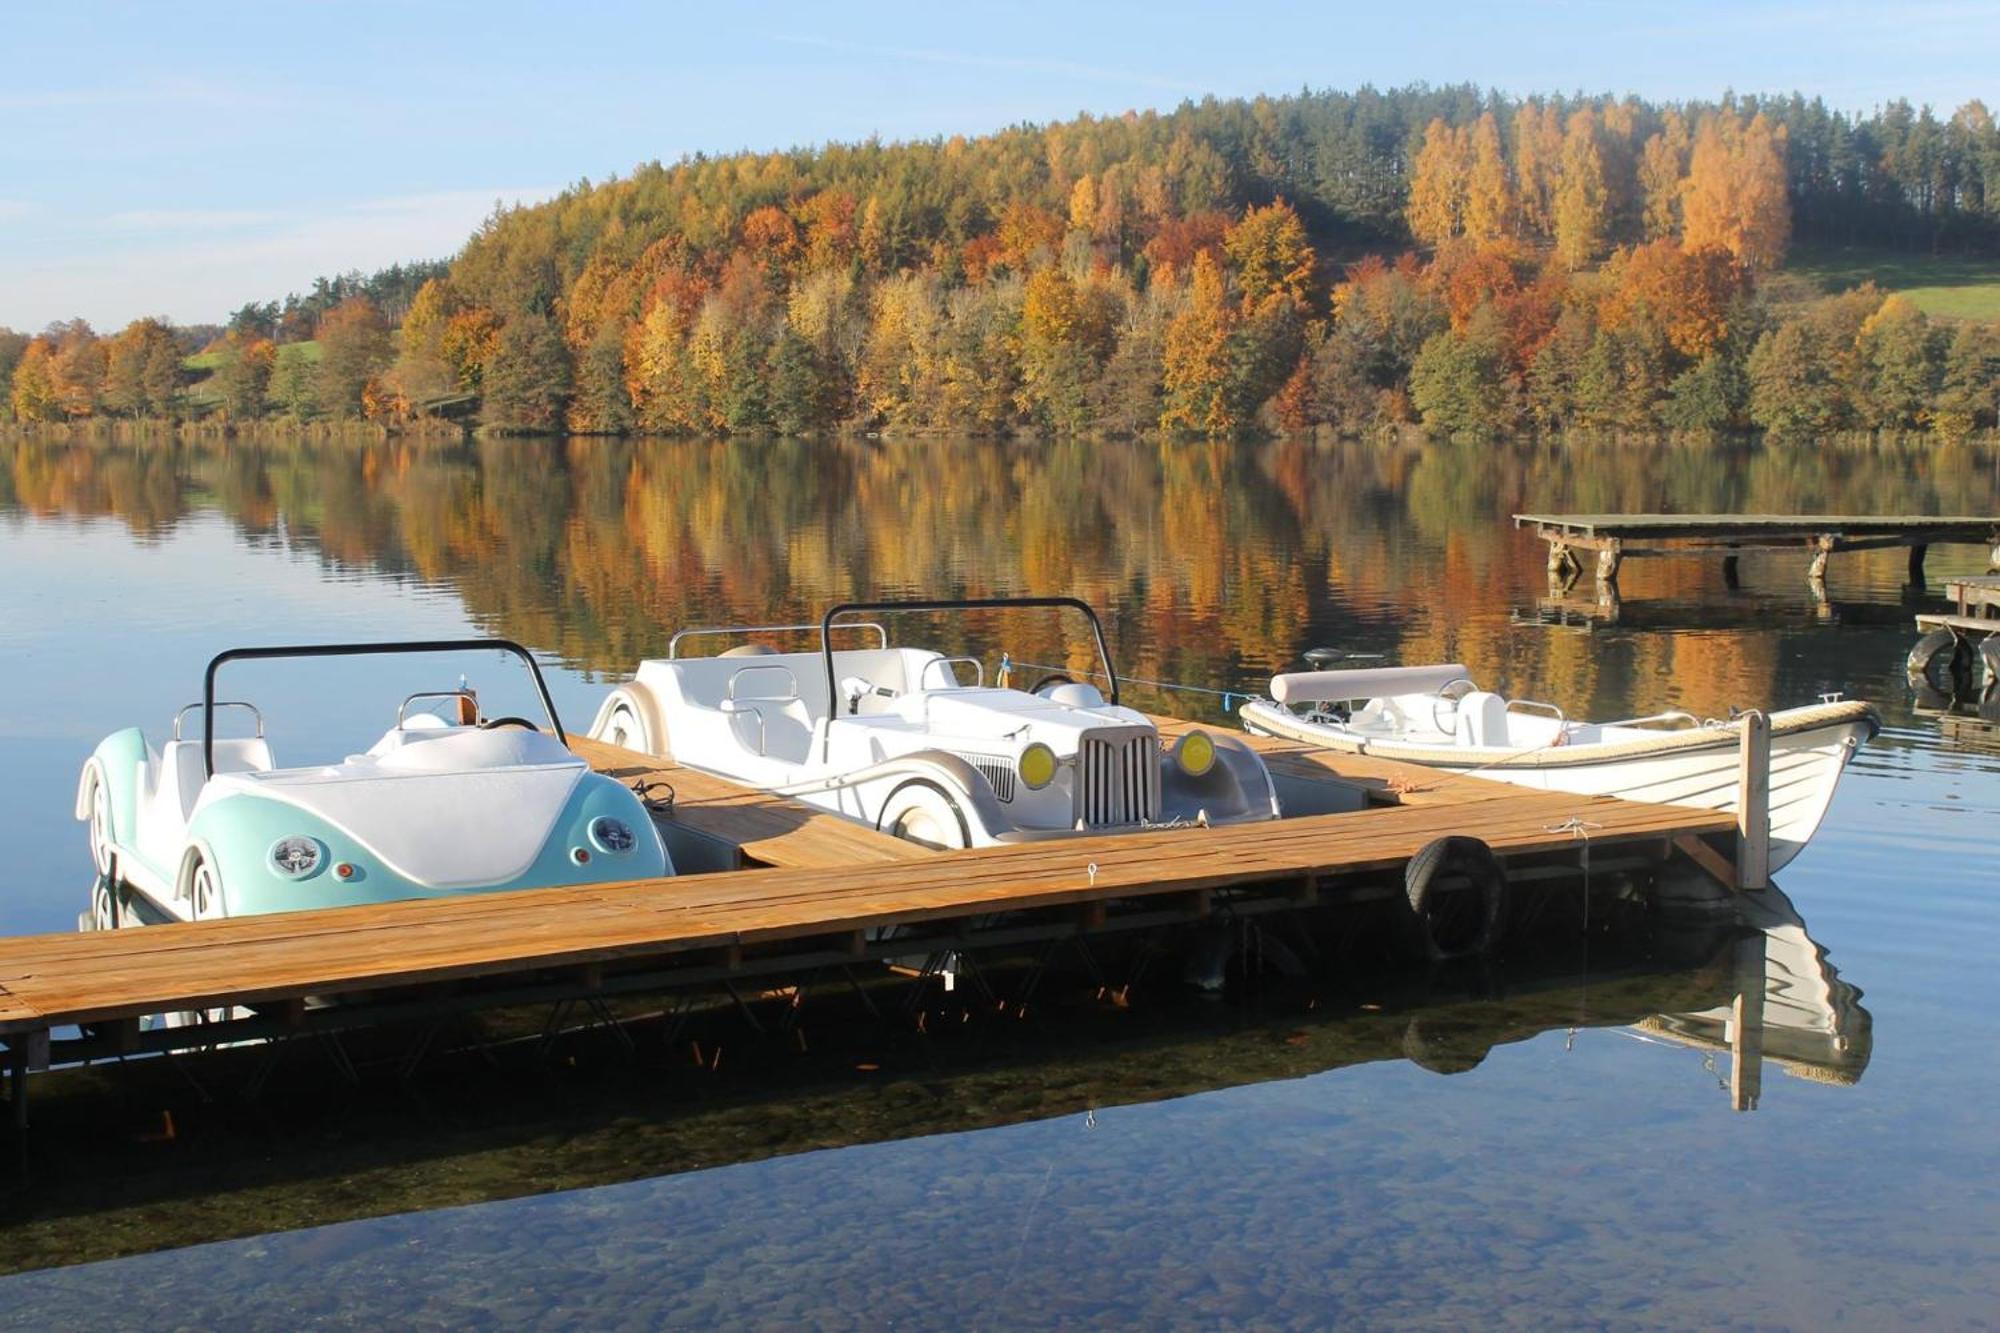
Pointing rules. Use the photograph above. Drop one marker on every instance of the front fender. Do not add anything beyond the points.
(115, 762)
(238, 832)
(959, 779)
(1236, 787)
(638, 699)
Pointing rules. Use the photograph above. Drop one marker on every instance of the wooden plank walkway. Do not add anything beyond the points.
(53, 980)
(1616, 536)
(766, 830)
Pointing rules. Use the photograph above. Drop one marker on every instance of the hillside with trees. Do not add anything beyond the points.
(1442, 258)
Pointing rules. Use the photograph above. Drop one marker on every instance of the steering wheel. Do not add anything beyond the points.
(1053, 678)
(493, 723)
(1447, 723)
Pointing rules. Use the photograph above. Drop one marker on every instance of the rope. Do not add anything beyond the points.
(1008, 663)
(1581, 827)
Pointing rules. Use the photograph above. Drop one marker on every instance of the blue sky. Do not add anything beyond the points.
(181, 159)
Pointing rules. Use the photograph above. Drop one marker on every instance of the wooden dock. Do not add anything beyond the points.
(1615, 537)
(1976, 613)
(826, 895)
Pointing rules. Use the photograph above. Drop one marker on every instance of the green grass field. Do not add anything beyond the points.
(210, 362)
(1946, 287)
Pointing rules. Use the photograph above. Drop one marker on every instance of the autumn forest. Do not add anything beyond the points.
(1437, 259)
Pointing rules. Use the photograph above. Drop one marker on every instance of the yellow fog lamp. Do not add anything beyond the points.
(1037, 766)
(1195, 753)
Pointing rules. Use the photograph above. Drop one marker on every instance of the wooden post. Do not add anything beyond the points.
(1608, 556)
(1746, 1025)
(1753, 802)
(1562, 565)
(1731, 577)
(1822, 548)
(1917, 554)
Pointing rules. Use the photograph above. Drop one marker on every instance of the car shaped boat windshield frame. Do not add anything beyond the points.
(826, 625)
(209, 703)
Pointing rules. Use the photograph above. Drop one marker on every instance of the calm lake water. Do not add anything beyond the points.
(1587, 1171)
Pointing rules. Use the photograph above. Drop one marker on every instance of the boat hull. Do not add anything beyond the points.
(1810, 748)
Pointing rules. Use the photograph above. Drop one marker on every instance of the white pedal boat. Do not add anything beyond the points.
(897, 739)
(1435, 716)
(444, 803)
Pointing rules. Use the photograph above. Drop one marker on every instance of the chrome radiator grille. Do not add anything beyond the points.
(1118, 778)
(999, 773)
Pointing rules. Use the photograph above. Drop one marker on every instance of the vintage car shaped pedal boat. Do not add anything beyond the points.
(444, 803)
(918, 744)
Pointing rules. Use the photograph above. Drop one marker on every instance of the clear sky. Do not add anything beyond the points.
(181, 159)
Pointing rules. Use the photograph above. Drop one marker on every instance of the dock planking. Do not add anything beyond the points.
(764, 830)
(52, 980)
(1615, 537)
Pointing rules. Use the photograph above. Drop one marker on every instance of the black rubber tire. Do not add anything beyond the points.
(1469, 933)
(1989, 662)
(1053, 678)
(1443, 1048)
(495, 723)
(1939, 647)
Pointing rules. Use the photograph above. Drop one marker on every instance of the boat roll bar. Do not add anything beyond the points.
(215, 664)
(826, 625)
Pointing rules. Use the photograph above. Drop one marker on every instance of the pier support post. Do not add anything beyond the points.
(1822, 549)
(1608, 557)
(1746, 1025)
(1732, 578)
(1917, 554)
(1562, 565)
(1753, 801)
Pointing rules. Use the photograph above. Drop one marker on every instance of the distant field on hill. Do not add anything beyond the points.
(212, 361)
(1945, 287)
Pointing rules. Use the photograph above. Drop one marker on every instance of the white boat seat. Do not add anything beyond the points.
(783, 728)
(180, 763)
(1482, 719)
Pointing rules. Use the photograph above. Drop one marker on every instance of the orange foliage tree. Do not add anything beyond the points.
(1734, 196)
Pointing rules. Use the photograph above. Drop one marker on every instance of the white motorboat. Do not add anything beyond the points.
(917, 744)
(1435, 716)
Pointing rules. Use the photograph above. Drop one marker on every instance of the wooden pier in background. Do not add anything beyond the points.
(1976, 609)
(819, 892)
(1617, 537)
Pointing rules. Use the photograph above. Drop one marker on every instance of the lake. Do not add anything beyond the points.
(1581, 1165)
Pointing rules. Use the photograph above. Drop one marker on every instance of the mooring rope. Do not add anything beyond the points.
(1580, 827)
(1008, 663)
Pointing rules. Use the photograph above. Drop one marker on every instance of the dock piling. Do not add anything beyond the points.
(1746, 1025)
(1753, 806)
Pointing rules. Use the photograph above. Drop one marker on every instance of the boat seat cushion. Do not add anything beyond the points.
(180, 763)
(1482, 719)
(786, 728)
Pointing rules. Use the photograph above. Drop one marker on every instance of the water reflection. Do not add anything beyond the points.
(1287, 1166)
(151, 1157)
(1217, 564)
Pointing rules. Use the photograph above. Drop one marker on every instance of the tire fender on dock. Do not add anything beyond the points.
(1924, 657)
(1468, 931)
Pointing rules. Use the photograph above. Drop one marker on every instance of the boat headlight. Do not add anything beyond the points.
(612, 836)
(1195, 753)
(1037, 766)
(297, 857)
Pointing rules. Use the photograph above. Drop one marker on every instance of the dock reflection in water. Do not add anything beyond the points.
(138, 1162)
